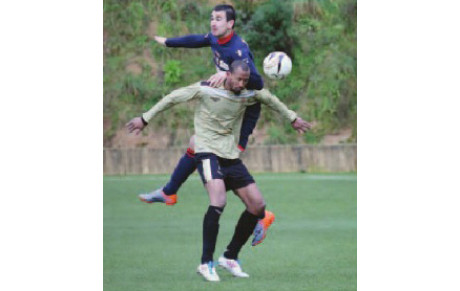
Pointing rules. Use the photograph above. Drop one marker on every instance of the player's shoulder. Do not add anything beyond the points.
(264, 92)
(240, 49)
(211, 37)
(240, 43)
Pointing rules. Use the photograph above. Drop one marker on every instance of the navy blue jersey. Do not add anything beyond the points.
(224, 55)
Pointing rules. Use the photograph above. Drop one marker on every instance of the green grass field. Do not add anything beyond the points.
(310, 246)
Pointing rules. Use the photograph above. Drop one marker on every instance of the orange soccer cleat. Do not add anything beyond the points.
(260, 231)
(159, 196)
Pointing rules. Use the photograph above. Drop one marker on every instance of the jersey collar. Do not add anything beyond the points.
(226, 39)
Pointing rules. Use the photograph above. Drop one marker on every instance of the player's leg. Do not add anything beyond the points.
(209, 169)
(184, 168)
(253, 199)
(254, 212)
(238, 178)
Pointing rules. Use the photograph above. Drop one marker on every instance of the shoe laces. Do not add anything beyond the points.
(210, 266)
(234, 263)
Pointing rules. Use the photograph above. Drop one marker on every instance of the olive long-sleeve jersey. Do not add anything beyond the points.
(218, 115)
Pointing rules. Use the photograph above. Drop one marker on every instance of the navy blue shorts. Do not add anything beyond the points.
(233, 172)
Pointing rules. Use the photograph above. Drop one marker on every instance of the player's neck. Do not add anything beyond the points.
(226, 38)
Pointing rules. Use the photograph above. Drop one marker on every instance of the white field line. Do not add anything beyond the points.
(256, 177)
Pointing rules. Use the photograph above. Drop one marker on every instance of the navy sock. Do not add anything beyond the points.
(185, 167)
(210, 231)
(243, 231)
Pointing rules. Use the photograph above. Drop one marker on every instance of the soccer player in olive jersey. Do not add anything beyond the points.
(218, 114)
(226, 46)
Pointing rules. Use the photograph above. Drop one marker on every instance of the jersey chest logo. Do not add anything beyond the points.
(219, 62)
(223, 65)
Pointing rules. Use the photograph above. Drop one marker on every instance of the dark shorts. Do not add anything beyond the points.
(233, 172)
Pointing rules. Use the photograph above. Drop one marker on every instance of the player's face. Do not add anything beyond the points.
(219, 25)
(237, 80)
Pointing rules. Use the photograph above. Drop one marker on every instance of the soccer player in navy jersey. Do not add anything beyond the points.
(225, 44)
(226, 47)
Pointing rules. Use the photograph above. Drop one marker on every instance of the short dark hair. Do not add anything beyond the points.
(229, 12)
(239, 64)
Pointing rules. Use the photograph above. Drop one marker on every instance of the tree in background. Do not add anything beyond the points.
(320, 36)
(270, 28)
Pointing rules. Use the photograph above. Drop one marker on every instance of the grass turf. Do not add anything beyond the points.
(310, 246)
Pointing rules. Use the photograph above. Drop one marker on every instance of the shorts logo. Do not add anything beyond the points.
(215, 99)
(238, 52)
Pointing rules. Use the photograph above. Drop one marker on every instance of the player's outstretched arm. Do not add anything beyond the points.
(177, 96)
(187, 41)
(265, 97)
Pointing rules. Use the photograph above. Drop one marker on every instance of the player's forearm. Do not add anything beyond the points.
(162, 105)
(265, 97)
(188, 41)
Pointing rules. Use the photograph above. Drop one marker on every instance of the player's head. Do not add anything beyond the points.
(223, 19)
(237, 76)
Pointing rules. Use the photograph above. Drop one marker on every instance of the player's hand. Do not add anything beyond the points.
(161, 40)
(135, 125)
(301, 125)
(217, 79)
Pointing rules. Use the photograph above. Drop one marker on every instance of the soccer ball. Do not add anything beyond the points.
(277, 65)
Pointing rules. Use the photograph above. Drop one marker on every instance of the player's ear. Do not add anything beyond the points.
(230, 24)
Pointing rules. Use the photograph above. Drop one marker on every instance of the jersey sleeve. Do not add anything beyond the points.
(180, 95)
(265, 97)
(189, 41)
(251, 115)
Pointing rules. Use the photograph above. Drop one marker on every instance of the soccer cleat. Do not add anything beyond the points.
(260, 231)
(233, 266)
(158, 196)
(208, 271)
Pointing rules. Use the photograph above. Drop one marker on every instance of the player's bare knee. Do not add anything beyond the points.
(260, 209)
(257, 208)
(219, 201)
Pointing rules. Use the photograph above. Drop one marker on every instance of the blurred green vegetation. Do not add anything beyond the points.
(319, 35)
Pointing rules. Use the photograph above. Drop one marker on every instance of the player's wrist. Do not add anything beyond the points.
(144, 122)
